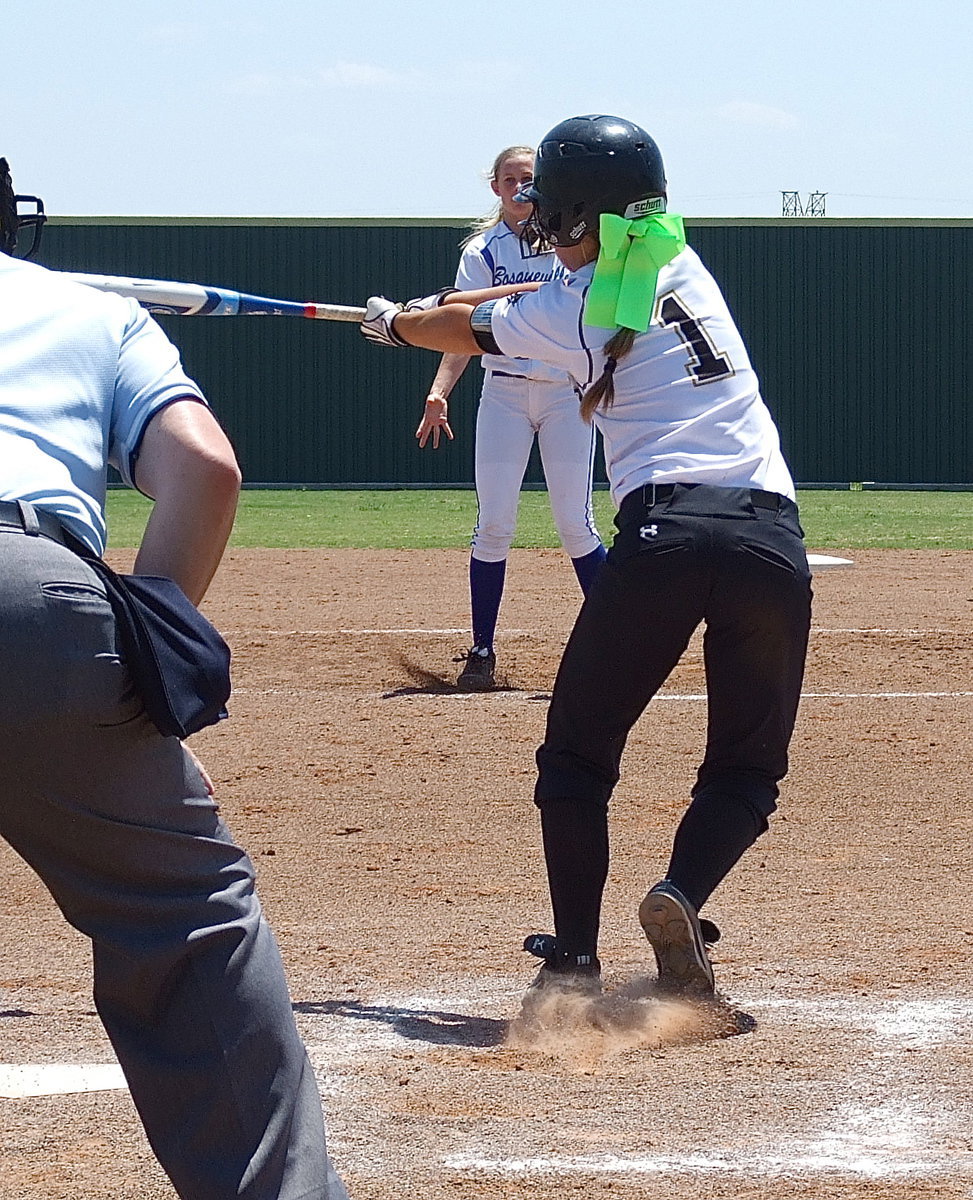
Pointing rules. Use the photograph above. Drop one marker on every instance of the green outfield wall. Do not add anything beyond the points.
(859, 330)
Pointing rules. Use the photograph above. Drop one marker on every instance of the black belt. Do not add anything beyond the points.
(36, 522)
(650, 494)
(507, 375)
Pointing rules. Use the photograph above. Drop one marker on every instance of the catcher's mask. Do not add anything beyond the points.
(13, 220)
(589, 165)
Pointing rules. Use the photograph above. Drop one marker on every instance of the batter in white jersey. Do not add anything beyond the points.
(708, 534)
(664, 426)
(522, 397)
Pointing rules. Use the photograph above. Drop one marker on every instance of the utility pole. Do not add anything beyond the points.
(815, 205)
(791, 205)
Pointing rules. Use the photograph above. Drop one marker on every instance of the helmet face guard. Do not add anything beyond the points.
(589, 165)
(33, 221)
(12, 220)
(532, 231)
(558, 217)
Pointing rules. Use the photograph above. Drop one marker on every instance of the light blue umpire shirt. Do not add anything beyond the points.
(82, 373)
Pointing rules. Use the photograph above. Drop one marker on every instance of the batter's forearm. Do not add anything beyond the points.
(462, 344)
(446, 328)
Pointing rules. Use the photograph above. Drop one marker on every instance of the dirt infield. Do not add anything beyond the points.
(399, 862)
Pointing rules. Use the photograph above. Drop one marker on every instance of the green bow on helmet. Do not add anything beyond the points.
(622, 291)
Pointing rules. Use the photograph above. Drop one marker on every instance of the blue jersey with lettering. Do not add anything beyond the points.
(495, 258)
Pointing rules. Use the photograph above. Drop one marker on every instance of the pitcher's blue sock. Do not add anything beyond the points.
(486, 592)
(586, 567)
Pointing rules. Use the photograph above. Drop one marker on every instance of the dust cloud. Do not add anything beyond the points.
(587, 1027)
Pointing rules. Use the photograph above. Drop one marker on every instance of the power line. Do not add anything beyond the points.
(911, 199)
(727, 196)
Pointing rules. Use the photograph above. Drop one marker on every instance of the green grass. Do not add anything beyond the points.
(419, 520)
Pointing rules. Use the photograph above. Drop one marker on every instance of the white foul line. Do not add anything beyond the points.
(505, 633)
(843, 696)
(827, 1159)
(506, 694)
(892, 632)
(364, 632)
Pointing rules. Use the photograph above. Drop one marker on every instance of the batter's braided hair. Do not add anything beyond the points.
(601, 394)
(8, 210)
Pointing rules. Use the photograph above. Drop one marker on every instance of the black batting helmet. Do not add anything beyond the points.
(12, 219)
(589, 165)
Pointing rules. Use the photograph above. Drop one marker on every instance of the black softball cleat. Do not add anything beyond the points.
(479, 671)
(569, 972)
(674, 932)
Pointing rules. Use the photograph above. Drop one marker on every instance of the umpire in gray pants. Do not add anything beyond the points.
(117, 820)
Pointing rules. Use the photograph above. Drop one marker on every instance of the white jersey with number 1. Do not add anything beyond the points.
(687, 404)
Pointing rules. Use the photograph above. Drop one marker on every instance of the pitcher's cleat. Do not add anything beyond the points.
(674, 932)
(479, 673)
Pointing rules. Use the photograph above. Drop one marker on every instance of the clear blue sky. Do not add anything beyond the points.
(394, 109)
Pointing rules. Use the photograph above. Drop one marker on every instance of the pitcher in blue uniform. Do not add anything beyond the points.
(521, 398)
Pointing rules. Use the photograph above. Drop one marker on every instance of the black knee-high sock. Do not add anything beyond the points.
(576, 851)
(715, 832)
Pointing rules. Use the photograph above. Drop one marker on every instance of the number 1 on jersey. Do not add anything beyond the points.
(705, 362)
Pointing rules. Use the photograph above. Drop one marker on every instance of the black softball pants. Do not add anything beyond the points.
(685, 555)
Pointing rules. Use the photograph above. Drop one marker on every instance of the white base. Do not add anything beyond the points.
(818, 562)
(57, 1079)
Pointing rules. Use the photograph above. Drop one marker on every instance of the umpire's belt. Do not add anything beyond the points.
(650, 494)
(27, 518)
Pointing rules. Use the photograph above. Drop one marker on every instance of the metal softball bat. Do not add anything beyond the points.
(199, 300)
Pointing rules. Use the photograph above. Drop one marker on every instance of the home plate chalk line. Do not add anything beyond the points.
(887, 1112)
(894, 1116)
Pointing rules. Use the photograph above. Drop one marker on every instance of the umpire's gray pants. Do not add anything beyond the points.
(116, 821)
